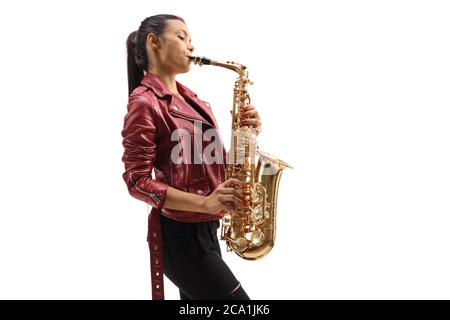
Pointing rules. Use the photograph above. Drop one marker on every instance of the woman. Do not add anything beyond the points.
(186, 198)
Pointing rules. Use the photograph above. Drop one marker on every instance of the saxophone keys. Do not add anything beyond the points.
(240, 244)
(257, 216)
(257, 238)
(226, 220)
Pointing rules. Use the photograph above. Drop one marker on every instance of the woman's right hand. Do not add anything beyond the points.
(227, 196)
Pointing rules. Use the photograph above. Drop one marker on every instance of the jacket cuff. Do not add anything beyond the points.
(158, 196)
(150, 191)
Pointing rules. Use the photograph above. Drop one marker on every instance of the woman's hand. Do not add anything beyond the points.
(251, 117)
(226, 196)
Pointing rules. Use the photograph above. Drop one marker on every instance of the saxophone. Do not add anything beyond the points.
(251, 234)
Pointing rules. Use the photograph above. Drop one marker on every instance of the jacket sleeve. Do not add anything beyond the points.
(139, 141)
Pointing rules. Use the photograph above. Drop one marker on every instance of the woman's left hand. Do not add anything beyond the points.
(251, 117)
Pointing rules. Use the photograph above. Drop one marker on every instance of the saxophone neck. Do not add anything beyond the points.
(236, 67)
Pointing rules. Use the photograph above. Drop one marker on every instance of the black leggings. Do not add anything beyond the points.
(193, 261)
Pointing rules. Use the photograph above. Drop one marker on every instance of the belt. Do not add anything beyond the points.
(156, 256)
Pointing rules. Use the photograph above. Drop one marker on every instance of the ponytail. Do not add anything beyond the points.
(135, 73)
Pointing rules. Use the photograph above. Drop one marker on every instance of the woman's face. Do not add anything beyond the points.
(173, 49)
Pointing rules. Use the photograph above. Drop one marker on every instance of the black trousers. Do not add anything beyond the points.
(193, 261)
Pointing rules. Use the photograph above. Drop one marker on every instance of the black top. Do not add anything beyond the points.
(199, 110)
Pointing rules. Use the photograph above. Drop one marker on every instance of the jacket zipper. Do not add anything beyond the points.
(182, 115)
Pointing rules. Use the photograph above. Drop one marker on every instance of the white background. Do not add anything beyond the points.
(353, 94)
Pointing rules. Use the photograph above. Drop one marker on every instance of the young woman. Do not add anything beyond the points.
(187, 196)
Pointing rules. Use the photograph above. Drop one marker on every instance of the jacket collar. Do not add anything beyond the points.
(152, 82)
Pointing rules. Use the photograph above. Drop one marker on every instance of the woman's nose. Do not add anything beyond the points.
(190, 47)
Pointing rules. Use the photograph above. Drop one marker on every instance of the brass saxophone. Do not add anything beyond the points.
(251, 234)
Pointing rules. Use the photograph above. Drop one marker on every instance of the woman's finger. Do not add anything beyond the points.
(253, 122)
(250, 114)
(231, 191)
(234, 209)
(232, 182)
(230, 197)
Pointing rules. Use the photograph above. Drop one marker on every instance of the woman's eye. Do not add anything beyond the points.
(181, 37)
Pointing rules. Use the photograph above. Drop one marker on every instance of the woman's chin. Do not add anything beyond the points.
(185, 69)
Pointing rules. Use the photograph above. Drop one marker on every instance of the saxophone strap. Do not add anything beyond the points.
(156, 255)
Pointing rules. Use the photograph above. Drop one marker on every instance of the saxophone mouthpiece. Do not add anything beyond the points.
(200, 60)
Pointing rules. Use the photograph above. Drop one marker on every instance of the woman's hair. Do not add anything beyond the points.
(138, 60)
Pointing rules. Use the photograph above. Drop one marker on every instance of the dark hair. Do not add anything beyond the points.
(137, 59)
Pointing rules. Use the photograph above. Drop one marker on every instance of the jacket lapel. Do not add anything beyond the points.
(204, 106)
(182, 109)
(177, 107)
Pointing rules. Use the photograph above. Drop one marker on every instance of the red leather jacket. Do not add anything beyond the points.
(153, 114)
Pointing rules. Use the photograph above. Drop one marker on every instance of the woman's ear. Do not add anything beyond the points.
(153, 41)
